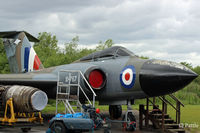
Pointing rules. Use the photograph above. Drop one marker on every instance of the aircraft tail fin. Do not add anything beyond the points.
(21, 55)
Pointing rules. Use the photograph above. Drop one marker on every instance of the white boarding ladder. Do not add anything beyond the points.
(69, 88)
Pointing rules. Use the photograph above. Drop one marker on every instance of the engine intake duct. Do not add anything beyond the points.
(96, 78)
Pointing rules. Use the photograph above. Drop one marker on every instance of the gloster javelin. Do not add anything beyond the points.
(116, 74)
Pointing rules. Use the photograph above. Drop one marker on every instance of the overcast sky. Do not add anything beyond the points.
(163, 29)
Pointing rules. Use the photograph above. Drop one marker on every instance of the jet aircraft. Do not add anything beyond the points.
(116, 74)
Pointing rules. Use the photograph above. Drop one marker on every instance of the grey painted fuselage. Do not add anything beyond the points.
(124, 75)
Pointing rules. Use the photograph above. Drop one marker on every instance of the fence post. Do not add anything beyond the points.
(163, 114)
(178, 113)
(147, 114)
(141, 111)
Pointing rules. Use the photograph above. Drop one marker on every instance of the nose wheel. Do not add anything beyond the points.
(130, 121)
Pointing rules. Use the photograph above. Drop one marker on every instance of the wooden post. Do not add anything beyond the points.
(163, 114)
(141, 112)
(154, 103)
(154, 100)
(178, 113)
(147, 114)
(165, 105)
(165, 108)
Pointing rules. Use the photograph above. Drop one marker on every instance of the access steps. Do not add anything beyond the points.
(69, 90)
(158, 117)
(169, 124)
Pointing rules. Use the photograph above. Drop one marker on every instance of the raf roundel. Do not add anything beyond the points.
(127, 76)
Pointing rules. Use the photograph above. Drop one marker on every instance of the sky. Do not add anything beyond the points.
(159, 29)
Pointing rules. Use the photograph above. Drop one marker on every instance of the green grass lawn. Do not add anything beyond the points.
(190, 114)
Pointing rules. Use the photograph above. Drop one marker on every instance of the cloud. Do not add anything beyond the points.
(159, 29)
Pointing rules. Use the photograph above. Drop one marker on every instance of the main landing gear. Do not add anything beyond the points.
(115, 111)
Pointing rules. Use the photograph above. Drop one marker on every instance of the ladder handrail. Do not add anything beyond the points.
(68, 109)
(176, 99)
(154, 103)
(166, 101)
(88, 83)
(85, 95)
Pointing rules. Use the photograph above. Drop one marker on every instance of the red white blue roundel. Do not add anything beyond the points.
(127, 76)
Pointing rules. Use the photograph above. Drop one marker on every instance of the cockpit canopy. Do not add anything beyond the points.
(115, 51)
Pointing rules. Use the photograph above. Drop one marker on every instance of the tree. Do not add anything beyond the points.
(107, 44)
(197, 70)
(73, 53)
(71, 50)
(4, 67)
(144, 57)
(47, 50)
(189, 65)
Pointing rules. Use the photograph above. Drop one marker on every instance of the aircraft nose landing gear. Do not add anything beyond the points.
(130, 121)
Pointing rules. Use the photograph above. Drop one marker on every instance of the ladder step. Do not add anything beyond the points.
(76, 106)
(156, 111)
(66, 85)
(180, 130)
(73, 100)
(174, 125)
(62, 95)
(159, 116)
(75, 97)
(166, 121)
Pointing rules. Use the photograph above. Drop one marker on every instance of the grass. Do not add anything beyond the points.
(190, 114)
(51, 107)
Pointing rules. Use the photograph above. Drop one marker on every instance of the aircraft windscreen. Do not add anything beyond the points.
(109, 52)
(124, 52)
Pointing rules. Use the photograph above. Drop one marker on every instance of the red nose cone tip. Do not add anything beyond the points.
(158, 77)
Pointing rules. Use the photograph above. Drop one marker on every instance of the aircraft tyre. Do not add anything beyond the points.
(115, 111)
(107, 131)
(58, 127)
(131, 124)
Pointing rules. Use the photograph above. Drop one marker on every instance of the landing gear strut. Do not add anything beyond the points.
(115, 111)
(129, 118)
(130, 124)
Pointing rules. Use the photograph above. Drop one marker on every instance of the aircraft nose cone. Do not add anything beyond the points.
(159, 77)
